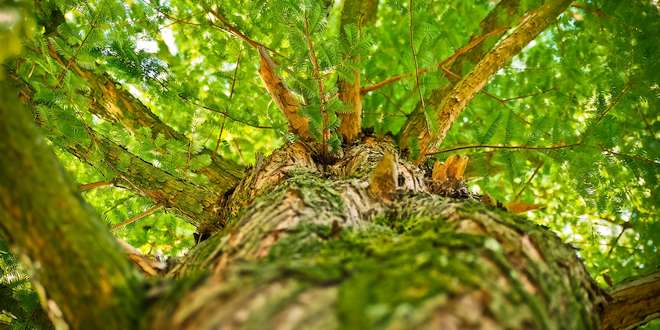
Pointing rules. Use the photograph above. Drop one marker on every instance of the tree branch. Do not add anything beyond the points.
(633, 303)
(499, 146)
(316, 72)
(285, 99)
(194, 203)
(138, 217)
(356, 13)
(475, 42)
(93, 185)
(493, 26)
(80, 273)
(462, 93)
(120, 106)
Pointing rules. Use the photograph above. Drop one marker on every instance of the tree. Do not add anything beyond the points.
(365, 213)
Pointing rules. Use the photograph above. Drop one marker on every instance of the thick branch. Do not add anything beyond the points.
(633, 303)
(493, 26)
(355, 13)
(118, 105)
(194, 203)
(457, 99)
(285, 99)
(474, 43)
(80, 272)
(197, 204)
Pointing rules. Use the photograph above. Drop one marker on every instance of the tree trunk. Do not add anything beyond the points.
(322, 251)
(370, 241)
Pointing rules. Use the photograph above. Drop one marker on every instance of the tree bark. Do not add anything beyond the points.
(83, 279)
(313, 252)
(355, 15)
(633, 303)
(366, 243)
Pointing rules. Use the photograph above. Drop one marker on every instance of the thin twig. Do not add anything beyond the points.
(231, 95)
(224, 113)
(499, 146)
(138, 217)
(527, 95)
(77, 52)
(414, 56)
(616, 240)
(317, 76)
(536, 170)
(90, 186)
(635, 157)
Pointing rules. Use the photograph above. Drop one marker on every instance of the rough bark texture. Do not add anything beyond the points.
(83, 279)
(315, 252)
(633, 303)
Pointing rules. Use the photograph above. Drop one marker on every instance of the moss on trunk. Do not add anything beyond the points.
(83, 279)
(322, 252)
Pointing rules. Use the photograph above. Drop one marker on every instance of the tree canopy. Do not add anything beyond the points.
(185, 95)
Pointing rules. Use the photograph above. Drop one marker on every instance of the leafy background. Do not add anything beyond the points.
(586, 92)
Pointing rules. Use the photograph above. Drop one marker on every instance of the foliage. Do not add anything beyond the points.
(586, 92)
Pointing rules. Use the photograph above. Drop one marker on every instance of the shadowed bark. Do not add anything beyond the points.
(633, 303)
(82, 277)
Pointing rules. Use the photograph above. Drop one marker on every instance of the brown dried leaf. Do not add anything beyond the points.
(453, 168)
(439, 173)
(520, 207)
